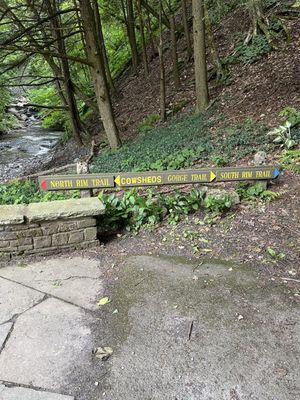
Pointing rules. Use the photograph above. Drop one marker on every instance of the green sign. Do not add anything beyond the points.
(154, 178)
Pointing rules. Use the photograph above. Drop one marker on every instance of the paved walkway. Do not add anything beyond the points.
(46, 315)
(179, 331)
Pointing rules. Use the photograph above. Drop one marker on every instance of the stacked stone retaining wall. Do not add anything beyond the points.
(47, 228)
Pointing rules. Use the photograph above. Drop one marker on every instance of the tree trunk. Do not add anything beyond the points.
(186, 29)
(67, 81)
(218, 67)
(162, 67)
(93, 49)
(66, 95)
(174, 52)
(155, 14)
(202, 95)
(259, 22)
(150, 33)
(109, 78)
(142, 33)
(131, 34)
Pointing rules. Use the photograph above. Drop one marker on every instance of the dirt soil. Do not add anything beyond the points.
(260, 90)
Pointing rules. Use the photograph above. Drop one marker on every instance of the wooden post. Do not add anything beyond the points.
(82, 167)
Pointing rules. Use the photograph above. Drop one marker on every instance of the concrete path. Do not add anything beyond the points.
(179, 331)
(47, 311)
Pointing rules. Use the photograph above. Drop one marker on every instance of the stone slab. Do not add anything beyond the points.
(62, 209)
(15, 299)
(12, 214)
(76, 280)
(20, 393)
(4, 331)
(195, 331)
(46, 343)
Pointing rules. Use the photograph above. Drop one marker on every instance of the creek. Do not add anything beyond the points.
(26, 147)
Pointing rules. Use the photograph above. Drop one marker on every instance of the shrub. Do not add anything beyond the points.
(25, 192)
(290, 160)
(249, 53)
(148, 123)
(286, 135)
(249, 192)
(135, 211)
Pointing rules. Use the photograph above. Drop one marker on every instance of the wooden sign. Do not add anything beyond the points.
(74, 182)
(154, 178)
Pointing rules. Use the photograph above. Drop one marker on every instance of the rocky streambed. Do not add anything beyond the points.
(27, 147)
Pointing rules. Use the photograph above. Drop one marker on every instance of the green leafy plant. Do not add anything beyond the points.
(276, 255)
(181, 204)
(134, 211)
(184, 142)
(7, 121)
(283, 135)
(130, 210)
(250, 192)
(219, 160)
(249, 53)
(290, 160)
(25, 192)
(147, 124)
(217, 205)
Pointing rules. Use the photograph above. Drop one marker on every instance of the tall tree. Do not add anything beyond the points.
(162, 66)
(143, 40)
(93, 49)
(219, 70)
(103, 48)
(42, 40)
(202, 94)
(186, 29)
(176, 77)
(58, 32)
(128, 13)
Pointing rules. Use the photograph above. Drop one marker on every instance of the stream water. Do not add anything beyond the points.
(25, 147)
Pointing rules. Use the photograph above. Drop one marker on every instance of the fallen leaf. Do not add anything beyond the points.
(281, 371)
(116, 311)
(104, 301)
(103, 353)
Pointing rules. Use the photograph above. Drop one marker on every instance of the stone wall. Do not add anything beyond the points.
(47, 228)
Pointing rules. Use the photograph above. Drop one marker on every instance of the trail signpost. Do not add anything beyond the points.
(155, 178)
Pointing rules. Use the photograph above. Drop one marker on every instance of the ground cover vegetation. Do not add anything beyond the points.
(72, 56)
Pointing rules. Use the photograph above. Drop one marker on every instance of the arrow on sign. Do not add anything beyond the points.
(44, 185)
(118, 180)
(212, 176)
